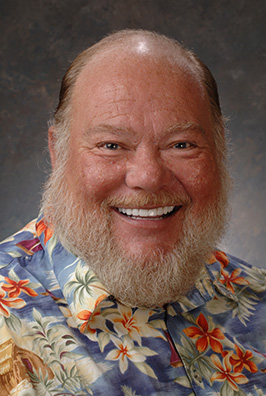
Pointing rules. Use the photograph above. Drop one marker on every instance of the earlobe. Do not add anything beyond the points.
(51, 145)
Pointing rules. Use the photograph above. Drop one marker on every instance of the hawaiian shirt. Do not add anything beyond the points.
(61, 333)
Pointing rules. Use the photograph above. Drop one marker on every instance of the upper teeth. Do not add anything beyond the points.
(155, 212)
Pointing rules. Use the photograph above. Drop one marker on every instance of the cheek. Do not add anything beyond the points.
(200, 180)
(100, 179)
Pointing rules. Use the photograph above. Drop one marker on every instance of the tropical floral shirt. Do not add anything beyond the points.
(61, 333)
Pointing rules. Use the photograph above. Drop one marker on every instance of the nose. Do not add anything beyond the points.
(147, 171)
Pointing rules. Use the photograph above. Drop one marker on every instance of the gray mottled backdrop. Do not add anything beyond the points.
(40, 37)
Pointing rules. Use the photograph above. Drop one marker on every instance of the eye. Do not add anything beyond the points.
(111, 146)
(182, 145)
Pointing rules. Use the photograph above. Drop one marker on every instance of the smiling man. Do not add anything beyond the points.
(142, 186)
(118, 288)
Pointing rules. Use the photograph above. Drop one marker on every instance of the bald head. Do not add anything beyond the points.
(139, 46)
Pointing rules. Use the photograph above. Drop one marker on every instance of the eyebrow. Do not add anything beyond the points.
(103, 128)
(116, 130)
(183, 127)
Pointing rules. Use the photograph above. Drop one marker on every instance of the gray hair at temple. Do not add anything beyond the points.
(161, 47)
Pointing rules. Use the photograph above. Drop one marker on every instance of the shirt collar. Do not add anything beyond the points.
(68, 267)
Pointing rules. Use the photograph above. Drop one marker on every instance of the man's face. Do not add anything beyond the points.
(140, 197)
(141, 142)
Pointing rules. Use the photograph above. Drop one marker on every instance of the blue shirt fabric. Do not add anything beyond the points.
(61, 333)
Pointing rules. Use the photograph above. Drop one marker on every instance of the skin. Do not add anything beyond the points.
(140, 126)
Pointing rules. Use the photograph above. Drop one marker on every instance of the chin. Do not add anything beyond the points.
(142, 251)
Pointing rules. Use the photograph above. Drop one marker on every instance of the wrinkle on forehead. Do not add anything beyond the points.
(141, 55)
(134, 74)
(125, 86)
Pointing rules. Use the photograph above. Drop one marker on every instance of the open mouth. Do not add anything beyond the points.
(149, 214)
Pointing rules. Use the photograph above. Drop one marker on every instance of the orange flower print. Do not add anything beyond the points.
(100, 299)
(85, 315)
(41, 227)
(228, 279)
(222, 258)
(241, 360)
(224, 373)
(9, 302)
(125, 351)
(88, 316)
(205, 336)
(15, 288)
(219, 256)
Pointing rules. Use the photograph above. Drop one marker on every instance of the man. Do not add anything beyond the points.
(118, 287)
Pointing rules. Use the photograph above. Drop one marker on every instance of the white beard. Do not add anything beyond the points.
(85, 230)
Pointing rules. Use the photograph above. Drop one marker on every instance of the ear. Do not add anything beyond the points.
(51, 145)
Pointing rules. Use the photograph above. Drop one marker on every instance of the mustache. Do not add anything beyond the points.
(142, 199)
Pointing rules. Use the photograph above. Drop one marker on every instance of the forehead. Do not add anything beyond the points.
(118, 65)
(118, 84)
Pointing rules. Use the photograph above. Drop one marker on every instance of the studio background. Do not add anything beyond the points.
(40, 38)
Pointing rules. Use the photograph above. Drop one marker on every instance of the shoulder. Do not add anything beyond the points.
(234, 271)
(240, 295)
(24, 243)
